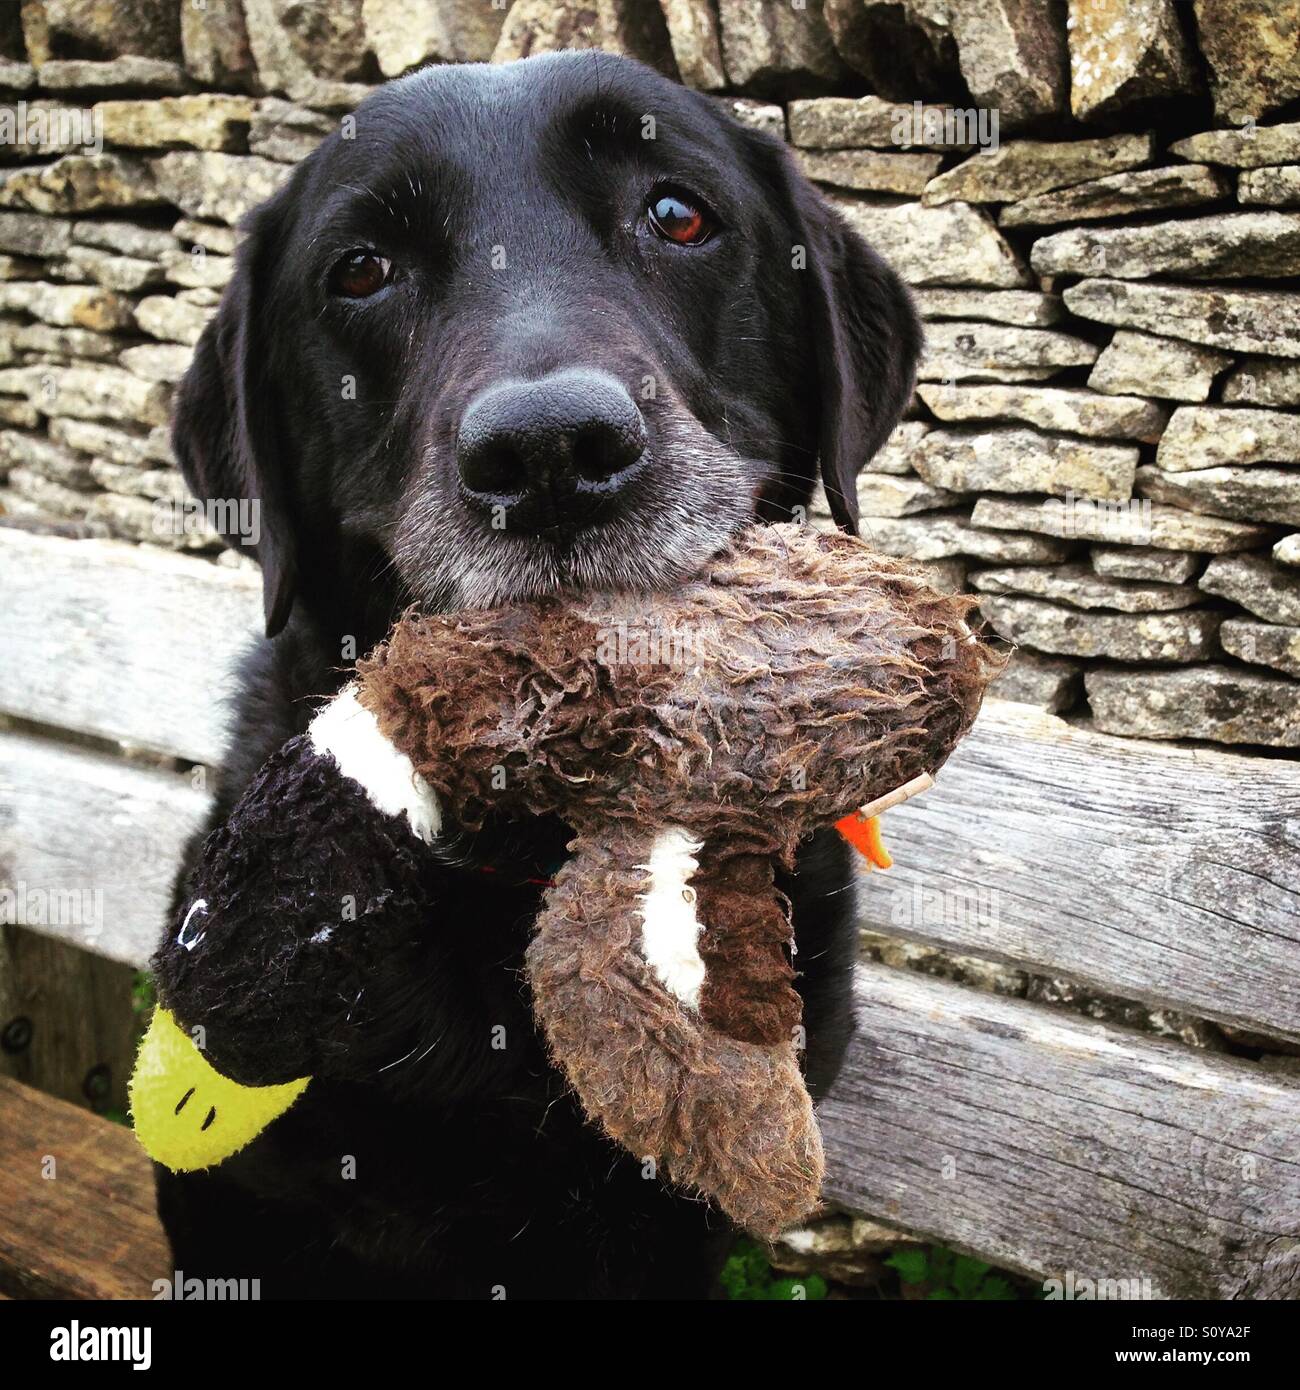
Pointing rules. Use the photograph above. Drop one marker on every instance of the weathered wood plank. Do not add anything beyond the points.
(76, 1193)
(76, 1038)
(1165, 874)
(122, 641)
(1051, 1144)
(91, 842)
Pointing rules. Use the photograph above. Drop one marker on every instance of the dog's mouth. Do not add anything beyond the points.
(696, 493)
(622, 554)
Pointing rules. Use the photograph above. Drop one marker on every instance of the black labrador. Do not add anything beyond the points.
(554, 324)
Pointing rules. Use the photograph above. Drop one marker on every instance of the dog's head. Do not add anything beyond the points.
(516, 329)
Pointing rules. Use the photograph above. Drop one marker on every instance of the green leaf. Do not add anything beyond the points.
(143, 994)
(747, 1277)
(745, 1272)
(967, 1275)
(912, 1264)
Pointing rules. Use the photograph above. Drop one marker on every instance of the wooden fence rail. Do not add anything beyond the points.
(77, 823)
(1165, 874)
(122, 642)
(1051, 1144)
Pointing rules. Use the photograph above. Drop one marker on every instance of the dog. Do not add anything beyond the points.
(558, 324)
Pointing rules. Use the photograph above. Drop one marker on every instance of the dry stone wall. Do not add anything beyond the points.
(1097, 205)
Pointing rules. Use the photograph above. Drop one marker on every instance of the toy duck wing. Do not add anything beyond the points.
(187, 1115)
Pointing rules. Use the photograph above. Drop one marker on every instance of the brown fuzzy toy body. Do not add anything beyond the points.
(713, 728)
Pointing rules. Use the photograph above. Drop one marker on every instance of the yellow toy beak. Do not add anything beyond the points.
(187, 1115)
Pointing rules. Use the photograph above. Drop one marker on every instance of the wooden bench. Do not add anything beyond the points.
(77, 1216)
(1028, 1135)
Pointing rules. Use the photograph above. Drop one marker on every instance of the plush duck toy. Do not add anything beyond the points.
(691, 740)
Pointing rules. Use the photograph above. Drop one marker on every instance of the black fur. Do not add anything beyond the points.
(452, 1167)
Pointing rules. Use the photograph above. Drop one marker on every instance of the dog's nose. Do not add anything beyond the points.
(552, 450)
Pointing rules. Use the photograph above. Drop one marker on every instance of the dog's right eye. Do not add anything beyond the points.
(360, 274)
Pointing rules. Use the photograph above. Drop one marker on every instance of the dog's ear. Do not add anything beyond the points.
(866, 338)
(225, 436)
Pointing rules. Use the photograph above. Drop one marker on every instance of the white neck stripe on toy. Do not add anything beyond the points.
(349, 733)
(670, 930)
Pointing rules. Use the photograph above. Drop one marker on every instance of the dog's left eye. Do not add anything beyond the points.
(360, 274)
(677, 217)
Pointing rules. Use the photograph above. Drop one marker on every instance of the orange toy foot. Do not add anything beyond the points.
(863, 833)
